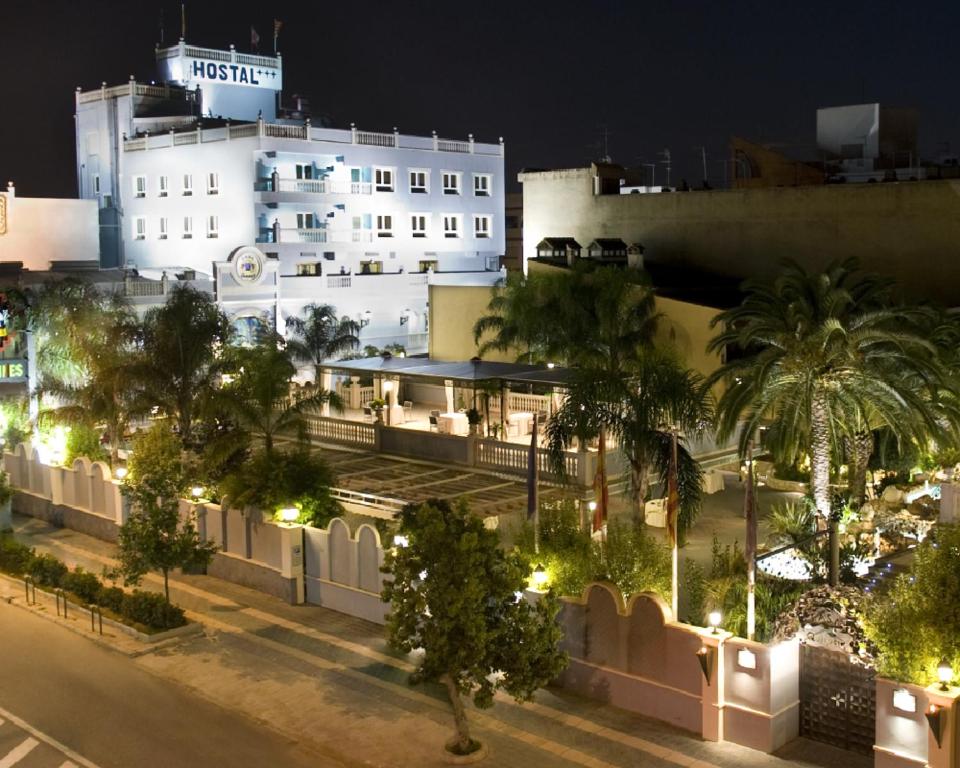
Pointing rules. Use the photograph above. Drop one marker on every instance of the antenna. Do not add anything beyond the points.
(666, 161)
(183, 21)
(161, 25)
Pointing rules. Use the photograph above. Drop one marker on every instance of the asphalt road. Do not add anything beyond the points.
(68, 703)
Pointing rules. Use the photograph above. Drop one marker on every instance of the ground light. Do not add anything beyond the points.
(289, 514)
(714, 619)
(196, 492)
(120, 472)
(944, 674)
(539, 576)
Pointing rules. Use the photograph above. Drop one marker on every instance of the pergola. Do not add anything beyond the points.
(480, 376)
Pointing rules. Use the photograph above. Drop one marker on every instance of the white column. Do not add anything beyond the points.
(448, 391)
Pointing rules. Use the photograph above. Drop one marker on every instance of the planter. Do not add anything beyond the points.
(474, 757)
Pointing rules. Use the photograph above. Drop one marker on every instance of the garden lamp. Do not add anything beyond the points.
(120, 472)
(196, 492)
(714, 619)
(289, 514)
(539, 576)
(944, 674)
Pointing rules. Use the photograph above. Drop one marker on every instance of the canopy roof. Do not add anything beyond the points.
(468, 370)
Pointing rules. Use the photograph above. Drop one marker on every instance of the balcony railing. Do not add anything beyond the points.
(316, 186)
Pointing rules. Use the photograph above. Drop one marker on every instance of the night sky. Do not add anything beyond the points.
(545, 75)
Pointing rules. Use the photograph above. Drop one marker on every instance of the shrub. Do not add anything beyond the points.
(47, 570)
(112, 599)
(83, 584)
(791, 521)
(152, 610)
(15, 558)
(83, 440)
(693, 593)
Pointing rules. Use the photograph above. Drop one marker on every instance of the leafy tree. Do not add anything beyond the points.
(281, 479)
(454, 594)
(258, 400)
(182, 341)
(154, 536)
(639, 410)
(825, 356)
(917, 622)
(320, 335)
(83, 441)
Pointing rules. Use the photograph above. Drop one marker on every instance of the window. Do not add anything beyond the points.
(140, 186)
(213, 226)
(306, 221)
(163, 186)
(308, 269)
(187, 227)
(187, 185)
(418, 182)
(384, 226)
(383, 179)
(162, 229)
(451, 225)
(304, 170)
(371, 267)
(95, 180)
(481, 226)
(481, 185)
(418, 225)
(428, 264)
(213, 183)
(139, 228)
(451, 183)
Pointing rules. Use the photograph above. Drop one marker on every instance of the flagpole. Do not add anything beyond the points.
(533, 486)
(183, 21)
(675, 554)
(750, 512)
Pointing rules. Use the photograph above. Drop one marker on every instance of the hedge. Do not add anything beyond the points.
(138, 607)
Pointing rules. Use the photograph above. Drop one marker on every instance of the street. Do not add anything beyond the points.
(65, 703)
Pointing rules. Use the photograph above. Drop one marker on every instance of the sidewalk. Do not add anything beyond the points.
(329, 679)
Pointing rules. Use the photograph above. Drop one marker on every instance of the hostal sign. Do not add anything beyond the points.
(232, 74)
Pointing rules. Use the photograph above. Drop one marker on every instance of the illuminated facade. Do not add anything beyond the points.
(199, 174)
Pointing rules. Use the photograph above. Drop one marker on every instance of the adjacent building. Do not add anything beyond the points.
(203, 176)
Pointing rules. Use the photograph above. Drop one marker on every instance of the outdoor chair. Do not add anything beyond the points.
(434, 423)
(407, 409)
(435, 414)
(368, 413)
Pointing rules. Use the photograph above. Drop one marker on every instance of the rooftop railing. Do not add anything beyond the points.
(133, 88)
(230, 57)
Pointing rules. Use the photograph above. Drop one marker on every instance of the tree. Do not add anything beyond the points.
(182, 341)
(154, 536)
(454, 594)
(320, 336)
(640, 410)
(258, 400)
(820, 354)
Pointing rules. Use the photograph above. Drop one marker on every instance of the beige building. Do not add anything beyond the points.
(37, 231)
(908, 230)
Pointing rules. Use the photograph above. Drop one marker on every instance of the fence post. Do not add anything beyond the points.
(30, 587)
(95, 612)
(710, 657)
(59, 594)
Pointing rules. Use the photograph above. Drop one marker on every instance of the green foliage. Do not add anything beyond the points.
(693, 593)
(788, 470)
(111, 598)
(6, 489)
(917, 622)
(635, 561)
(47, 570)
(473, 417)
(14, 421)
(773, 596)
(154, 536)
(792, 521)
(319, 335)
(83, 440)
(83, 584)
(454, 595)
(15, 558)
(152, 610)
(283, 479)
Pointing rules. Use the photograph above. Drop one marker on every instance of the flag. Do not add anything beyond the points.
(600, 484)
(533, 473)
(254, 39)
(673, 493)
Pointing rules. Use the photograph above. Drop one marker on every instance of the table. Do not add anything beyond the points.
(522, 421)
(712, 482)
(397, 415)
(453, 424)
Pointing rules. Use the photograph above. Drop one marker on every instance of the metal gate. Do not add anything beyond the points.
(837, 700)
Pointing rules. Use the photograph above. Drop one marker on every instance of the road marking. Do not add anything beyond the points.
(19, 752)
(78, 760)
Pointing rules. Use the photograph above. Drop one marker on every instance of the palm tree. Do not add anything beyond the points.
(258, 399)
(320, 336)
(641, 411)
(182, 341)
(589, 316)
(821, 355)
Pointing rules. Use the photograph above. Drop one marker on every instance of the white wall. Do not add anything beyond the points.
(41, 230)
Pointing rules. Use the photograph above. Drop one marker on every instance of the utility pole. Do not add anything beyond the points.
(666, 161)
(703, 156)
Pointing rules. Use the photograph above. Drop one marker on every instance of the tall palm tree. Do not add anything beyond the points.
(588, 316)
(320, 335)
(641, 410)
(821, 355)
(182, 341)
(258, 399)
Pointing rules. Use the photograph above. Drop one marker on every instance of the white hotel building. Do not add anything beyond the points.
(200, 179)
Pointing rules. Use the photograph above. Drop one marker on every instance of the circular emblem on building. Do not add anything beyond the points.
(248, 266)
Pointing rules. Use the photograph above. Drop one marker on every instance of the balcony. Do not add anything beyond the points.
(292, 235)
(311, 187)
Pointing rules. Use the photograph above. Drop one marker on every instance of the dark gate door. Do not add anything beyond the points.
(837, 700)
